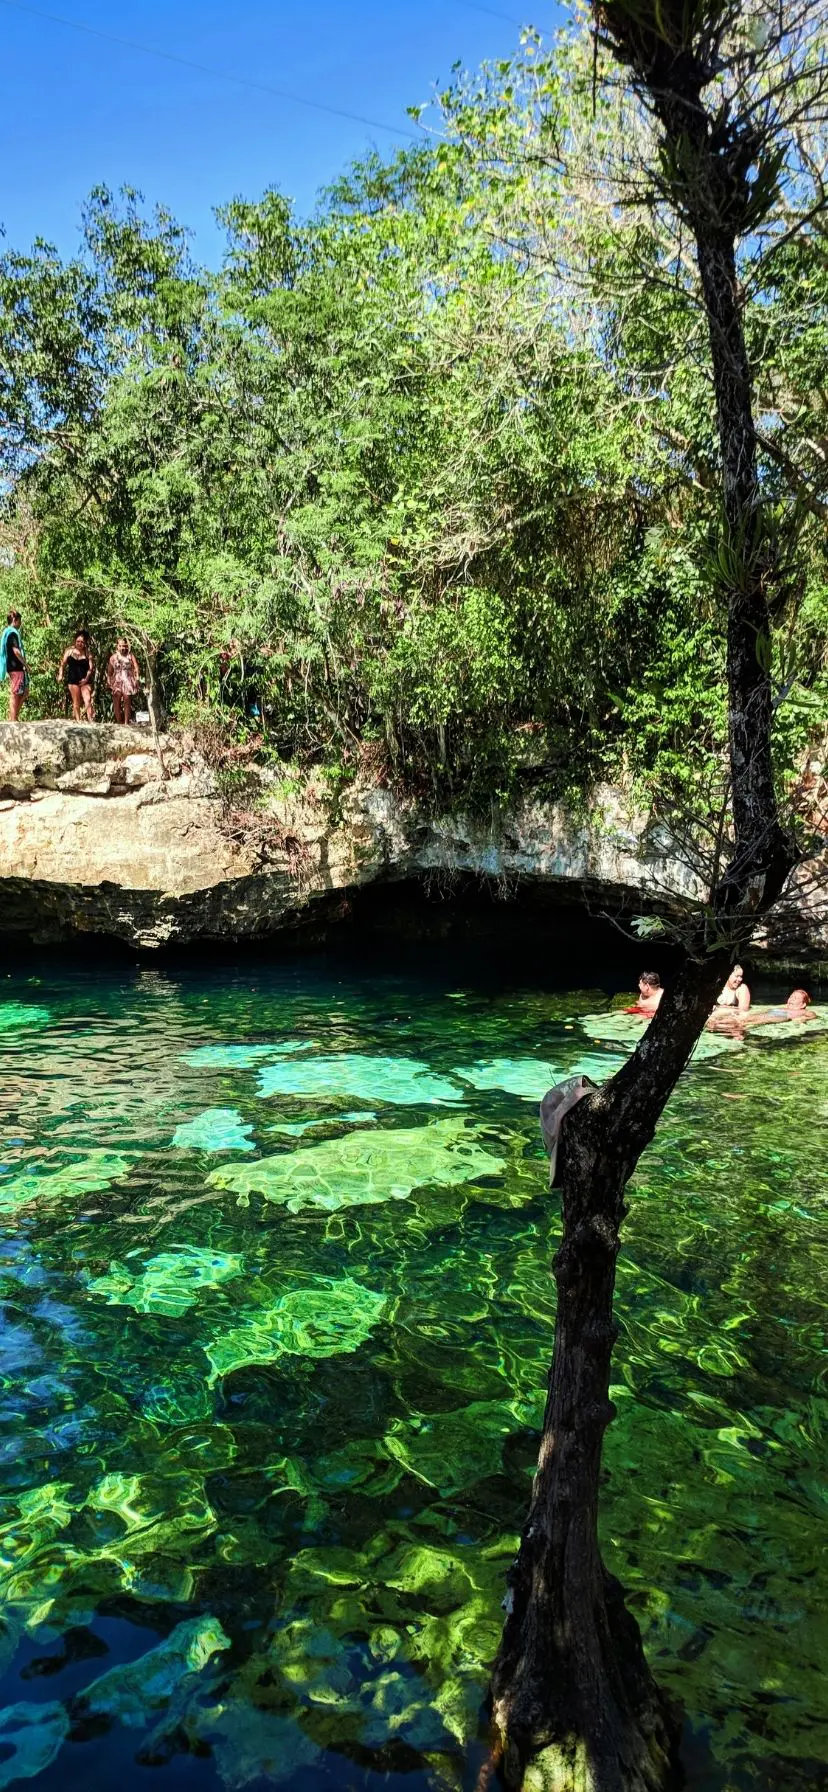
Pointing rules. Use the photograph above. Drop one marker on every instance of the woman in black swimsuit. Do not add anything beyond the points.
(78, 669)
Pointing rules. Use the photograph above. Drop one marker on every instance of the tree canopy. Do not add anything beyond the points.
(431, 474)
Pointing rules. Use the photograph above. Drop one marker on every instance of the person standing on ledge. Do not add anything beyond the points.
(123, 677)
(13, 663)
(78, 668)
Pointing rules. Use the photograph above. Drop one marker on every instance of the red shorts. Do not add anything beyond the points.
(19, 682)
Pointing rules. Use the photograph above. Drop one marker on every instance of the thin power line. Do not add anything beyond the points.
(279, 93)
(508, 18)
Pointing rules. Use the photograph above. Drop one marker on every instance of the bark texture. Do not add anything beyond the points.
(571, 1680)
(762, 849)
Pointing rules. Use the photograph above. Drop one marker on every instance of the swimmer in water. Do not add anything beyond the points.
(735, 994)
(797, 1007)
(650, 993)
(730, 1010)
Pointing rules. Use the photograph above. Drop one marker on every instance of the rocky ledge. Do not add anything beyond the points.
(104, 831)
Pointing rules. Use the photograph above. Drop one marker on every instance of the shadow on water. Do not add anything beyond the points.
(277, 1315)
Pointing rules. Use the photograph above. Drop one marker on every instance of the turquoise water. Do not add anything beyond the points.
(277, 1315)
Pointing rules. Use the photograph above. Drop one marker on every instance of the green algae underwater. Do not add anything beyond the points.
(275, 1256)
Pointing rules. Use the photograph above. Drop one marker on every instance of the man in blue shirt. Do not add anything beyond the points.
(13, 663)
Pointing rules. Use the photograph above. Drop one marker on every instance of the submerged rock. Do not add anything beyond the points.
(169, 1283)
(217, 1129)
(328, 1318)
(22, 1014)
(30, 1738)
(131, 1694)
(364, 1167)
(87, 1174)
(407, 1081)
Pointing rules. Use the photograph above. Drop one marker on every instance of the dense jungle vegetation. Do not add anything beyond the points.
(427, 479)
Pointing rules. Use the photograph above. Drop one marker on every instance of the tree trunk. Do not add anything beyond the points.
(156, 713)
(572, 1691)
(757, 827)
(574, 1702)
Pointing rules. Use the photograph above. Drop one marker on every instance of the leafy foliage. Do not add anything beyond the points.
(426, 475)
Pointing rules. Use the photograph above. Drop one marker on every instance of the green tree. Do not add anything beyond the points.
(375, 450)
(716, 100)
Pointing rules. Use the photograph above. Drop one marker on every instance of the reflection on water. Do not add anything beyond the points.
(277, 1314)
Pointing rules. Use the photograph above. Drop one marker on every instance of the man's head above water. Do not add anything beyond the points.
(650, 993)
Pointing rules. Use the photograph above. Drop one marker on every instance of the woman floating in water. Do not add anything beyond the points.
(797, 1007)
(734, 1021)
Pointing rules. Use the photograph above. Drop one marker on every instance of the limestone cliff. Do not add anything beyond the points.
(103, 832)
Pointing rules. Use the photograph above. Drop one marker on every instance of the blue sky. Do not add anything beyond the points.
(78, 109)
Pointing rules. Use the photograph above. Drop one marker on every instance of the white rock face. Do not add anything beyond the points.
(102, 833)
